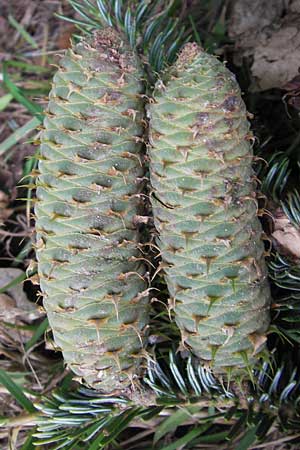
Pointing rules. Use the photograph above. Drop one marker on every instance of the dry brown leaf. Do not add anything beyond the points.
(258, 341)
(8, 309)
(15, 310)
(27, 310)
(277, 56)
(64, 39)
(5, 212)
(268, 31)
(286, 237)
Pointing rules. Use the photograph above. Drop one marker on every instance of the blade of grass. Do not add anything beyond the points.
(28, 444)
(33, 108)
(118, 425)
(16, 392)
(186, 439)
(25, 35)
(248, 439)
(38, 333)
(212, 438)
(31, 68)
(22, 254)
(5, 101)
(17, 135)
(171, 424)
(39, 91)
(13, 283)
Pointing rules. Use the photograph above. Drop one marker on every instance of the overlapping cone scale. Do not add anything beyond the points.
(91, 173)
(205, 211)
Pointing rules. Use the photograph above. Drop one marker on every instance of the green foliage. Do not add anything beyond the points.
(279, 171)
(19, 134)
(275, 175)
(291, 207)
(16, 391)
(185, 392)
(39, 332)
(27, 37)
(151, 26)
(33, 108)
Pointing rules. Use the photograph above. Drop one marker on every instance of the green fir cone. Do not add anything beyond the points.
(89, 199)
(205, 212)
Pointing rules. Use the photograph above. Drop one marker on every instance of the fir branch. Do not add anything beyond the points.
(291, 207)
(71, 419)
(275, 175)
(150, 26)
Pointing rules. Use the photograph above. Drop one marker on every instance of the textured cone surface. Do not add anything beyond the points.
(205, 213)
(88, 196)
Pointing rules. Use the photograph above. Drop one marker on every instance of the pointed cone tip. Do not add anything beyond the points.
(107, 37)
(189, 52)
